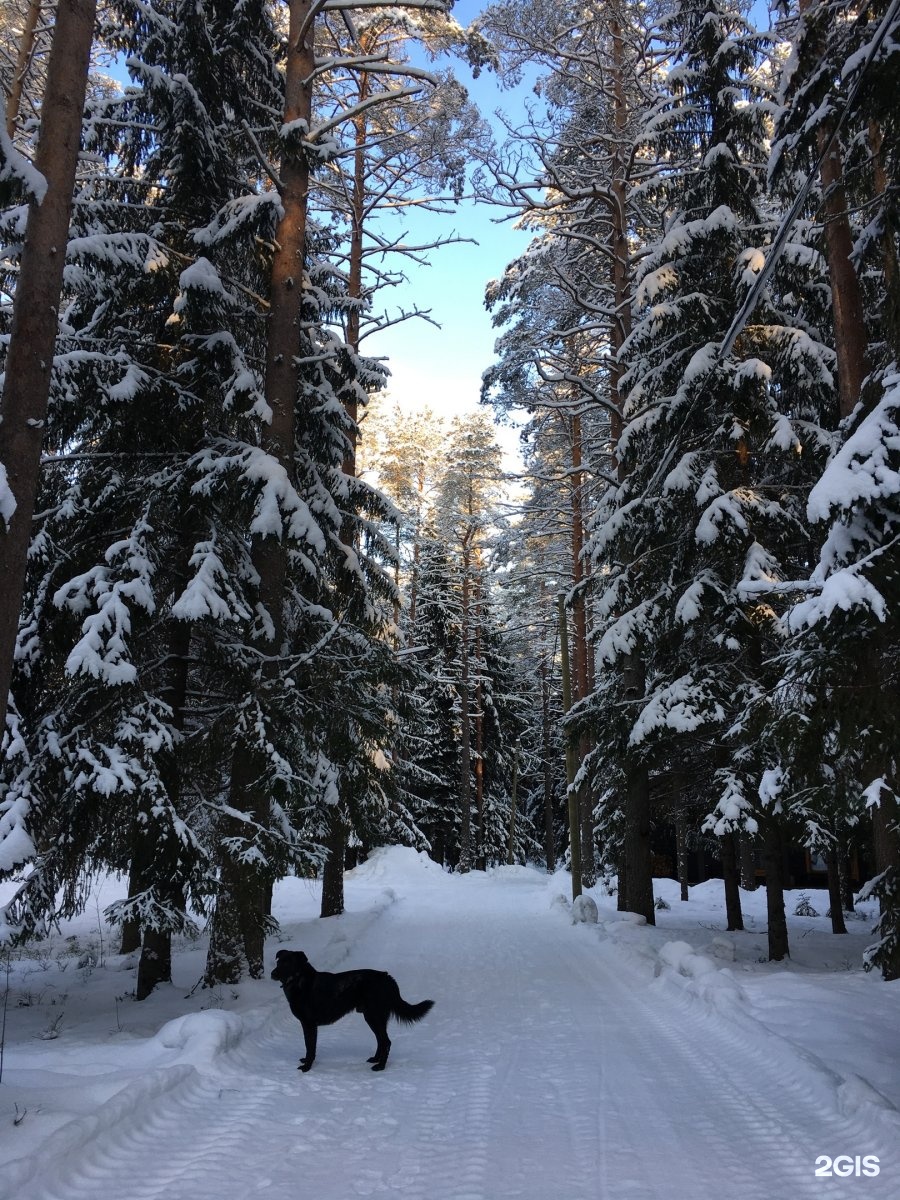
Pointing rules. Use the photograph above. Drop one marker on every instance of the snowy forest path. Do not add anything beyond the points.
(549, 1067)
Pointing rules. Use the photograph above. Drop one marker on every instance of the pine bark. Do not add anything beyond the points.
(571, 765)
(681, 853)
(131, 930)
(622, 893)
(890, 309)
(23, 62)
(886, 838)
(732, 881)
(465, 732)
(580, 676)
(155, 964)
(333, 871)
(546, 749)
(851, 338)
(513, 802)
(636, 848)
(748, 864)
(478, 715)
(834, 893)
(847, 897)
(773, 849)
(29, 360)
(332, 901)
(638, 861)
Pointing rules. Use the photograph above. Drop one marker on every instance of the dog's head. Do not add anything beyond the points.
(289, 964)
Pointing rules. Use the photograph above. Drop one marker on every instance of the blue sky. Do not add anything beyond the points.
(442, 367)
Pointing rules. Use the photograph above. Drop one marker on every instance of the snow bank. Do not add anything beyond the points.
(200, 1037)
(696, 973)
(766, 1008)
(584, 911)
(400, 864)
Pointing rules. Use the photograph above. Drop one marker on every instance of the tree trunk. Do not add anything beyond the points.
(850, 336)
(682, 853)
(224, 959)
(29, 359)
(571, 767)
(890, 309)
(834, 893)
(622, 896)
(748, 863)
(702, 864)
(638, 864)
(23, 62)
(156, 961)
(847, 899)
(885, 817)
(333, 871)
(480, 858)
(465, 734)
(773, 850)
(580, 678)
(636, 848)
(732, 882)
(638, 860)
(357, 220)
(514, 788)
(244, 889)
(131, 930)
(549, 831)
(332, 903)
(240, 899)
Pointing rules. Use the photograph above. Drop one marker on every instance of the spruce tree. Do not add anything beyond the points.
(710, 452)
(839, 91)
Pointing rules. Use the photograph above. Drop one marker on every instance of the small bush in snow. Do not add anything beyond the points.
(804, 908)
(661, 904)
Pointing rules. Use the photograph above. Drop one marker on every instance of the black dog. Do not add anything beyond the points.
(320, 998)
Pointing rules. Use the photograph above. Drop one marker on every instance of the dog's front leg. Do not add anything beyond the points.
(310, 1032)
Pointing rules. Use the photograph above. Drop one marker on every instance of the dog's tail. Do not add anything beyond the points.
(410, 1013)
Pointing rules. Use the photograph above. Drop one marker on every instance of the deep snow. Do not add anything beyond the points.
(583, 1060)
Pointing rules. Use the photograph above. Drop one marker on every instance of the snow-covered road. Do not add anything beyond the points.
(553, 1065)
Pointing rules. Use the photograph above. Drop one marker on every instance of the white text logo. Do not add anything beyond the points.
(845, 1165)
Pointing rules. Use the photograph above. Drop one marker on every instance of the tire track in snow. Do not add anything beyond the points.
(793, 1132)
(548, 1067)
(720, 1081)
(148, 1156)
(155, 1108)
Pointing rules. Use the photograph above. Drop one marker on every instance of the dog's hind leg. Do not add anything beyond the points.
(310, 1034)
(377, 1022)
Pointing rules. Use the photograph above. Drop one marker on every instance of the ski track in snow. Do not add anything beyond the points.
(549, 1067)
